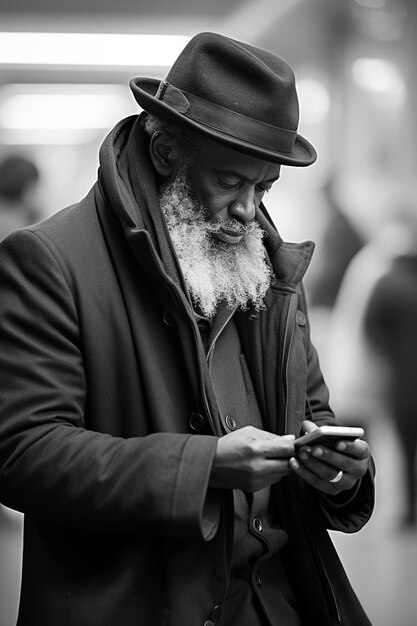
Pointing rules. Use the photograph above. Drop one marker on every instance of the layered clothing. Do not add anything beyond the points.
(109, 420)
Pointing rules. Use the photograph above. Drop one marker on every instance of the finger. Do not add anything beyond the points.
(318, 456)
(280, 448)
(266, 473)
(308, 426)
(277, 467)
(358, 448)
(317, 481)
(323, 470)
(274, 471)
(348, 462)
(256, 433)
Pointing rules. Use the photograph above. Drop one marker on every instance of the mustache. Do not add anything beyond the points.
(232, 225)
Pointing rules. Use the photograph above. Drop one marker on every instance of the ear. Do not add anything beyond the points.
(160, 150)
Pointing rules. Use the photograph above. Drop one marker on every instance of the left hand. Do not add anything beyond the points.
(319, 465)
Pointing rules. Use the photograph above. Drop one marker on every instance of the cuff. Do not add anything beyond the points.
(349, 511)
(196, 507)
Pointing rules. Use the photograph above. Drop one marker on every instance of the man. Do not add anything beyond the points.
(157, 365)
(19, 181)
(389, 325)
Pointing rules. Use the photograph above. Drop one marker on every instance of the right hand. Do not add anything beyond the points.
(251, 459)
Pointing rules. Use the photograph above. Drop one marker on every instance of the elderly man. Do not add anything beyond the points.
(156, 366)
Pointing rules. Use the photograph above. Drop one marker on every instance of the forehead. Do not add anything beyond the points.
(211, 156)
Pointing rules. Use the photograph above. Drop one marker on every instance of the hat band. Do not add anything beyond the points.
(226, 121)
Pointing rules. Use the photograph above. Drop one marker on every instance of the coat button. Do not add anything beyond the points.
(216, 612)
(230, 422)
(257, 525)
(208, 622)
(300, 318)
(196, 422)
(258, 581)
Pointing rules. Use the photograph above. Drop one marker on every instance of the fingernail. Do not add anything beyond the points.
(341, 445)
(318, 452)
(294, 463)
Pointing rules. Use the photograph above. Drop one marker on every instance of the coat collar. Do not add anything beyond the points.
(289, 260)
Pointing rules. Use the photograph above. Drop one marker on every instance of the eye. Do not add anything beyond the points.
(228, 183)
(262, 188)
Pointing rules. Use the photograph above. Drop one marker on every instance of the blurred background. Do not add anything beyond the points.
(64, 69)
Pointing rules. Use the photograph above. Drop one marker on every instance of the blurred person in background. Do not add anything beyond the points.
(390, 325)
(354, 371)
(157, 366)
(341, 240)
(19, 178)
(337, 244)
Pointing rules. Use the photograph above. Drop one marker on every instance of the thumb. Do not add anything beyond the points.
(308, 427)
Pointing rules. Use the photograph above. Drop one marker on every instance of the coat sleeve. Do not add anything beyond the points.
(350, 510)
(51, 465)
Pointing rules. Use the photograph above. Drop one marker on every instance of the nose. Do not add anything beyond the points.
(243, 207)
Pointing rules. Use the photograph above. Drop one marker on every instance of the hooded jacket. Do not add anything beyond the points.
(103, 374)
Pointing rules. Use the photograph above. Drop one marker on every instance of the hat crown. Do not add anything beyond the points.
(234, 93)
(237, 76)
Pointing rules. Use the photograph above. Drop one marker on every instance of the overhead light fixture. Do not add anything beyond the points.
(61, 113)
(372, 4)
(90, 49)
(63, 137)
(55, 111)
(380, 76)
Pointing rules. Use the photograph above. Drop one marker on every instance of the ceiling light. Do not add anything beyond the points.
(96, 49)
(61, 114)
(60, 111)
(53, 107)
(380, 76)
(61, 137)
(372, 4)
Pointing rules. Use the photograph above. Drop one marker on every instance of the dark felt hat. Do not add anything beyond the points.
(235, 93)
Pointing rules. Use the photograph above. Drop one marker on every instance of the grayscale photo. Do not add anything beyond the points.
(208, 304)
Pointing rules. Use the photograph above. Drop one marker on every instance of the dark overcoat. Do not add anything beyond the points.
(102, 375)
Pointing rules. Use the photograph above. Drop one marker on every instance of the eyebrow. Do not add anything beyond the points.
(240, 175)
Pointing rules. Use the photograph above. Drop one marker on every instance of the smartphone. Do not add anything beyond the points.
(329, 435)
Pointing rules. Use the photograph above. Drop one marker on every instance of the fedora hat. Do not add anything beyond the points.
(235, 93)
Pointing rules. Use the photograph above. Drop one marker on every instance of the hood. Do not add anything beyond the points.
(115, 172)
(127, 182)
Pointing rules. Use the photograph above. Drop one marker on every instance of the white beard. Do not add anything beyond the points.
(214, 272)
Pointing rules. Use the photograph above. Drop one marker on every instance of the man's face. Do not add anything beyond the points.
(230, 185)
(209, 205)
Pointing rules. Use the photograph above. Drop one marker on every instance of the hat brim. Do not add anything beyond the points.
(144, 90)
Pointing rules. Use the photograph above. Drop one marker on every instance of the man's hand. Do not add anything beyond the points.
(320, 465)
(251, 459)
